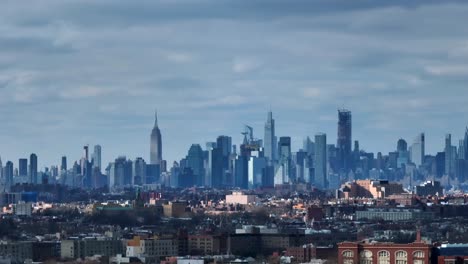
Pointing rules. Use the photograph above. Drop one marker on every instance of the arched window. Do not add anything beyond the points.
(366, 257)
(348, 257)
(348, 254)
(418, 257)
(401, 257)
(384, 257)
(418, 254)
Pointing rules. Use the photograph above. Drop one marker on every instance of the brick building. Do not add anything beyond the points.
(302, 254)
(418, 252)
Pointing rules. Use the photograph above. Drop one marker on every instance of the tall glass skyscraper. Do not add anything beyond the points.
(33, 169)
(155, 143)
(417, 150)
(344, 140)
(321, 160)
(448, 155)
(97, 157)
(269, 139)
(23, 167)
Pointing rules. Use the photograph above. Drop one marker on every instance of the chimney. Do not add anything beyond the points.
(418, 235)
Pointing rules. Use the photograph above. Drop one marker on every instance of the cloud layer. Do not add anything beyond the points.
(87, 72)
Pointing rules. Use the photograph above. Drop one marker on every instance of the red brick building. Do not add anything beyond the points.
(418, 252)
(302, 254)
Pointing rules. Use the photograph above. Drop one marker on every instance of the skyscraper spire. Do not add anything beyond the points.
(155, 142)
(156, 118)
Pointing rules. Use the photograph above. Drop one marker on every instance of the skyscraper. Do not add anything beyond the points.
(195, 162)
(269, 139)
(33, 169)
(320, 160)
(156, 143)
(97, 157)
(8, 175)
(465, 144)
(63, 166)
(417, 150)
(448, 155)
(139, 171)
(284, 158)
(23, 167)
(344, 140)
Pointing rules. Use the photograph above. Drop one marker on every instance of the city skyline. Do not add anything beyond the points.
(259, 133)
(87, 73)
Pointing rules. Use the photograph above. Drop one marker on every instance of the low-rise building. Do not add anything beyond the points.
(418, 252)
(302, 254)
(175, 209)
(203, 245)
(452, 253)
(393, 214)
(81, 248)
(429, 188)
(16, 251)
(240, 198)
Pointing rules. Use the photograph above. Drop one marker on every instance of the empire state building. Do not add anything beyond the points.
(156, 143)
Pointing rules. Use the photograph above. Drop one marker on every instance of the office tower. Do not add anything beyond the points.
(122, 172)
(448, 155)
(256, 169)
(402, 145)
(33, 169)
(403, 154)
(417, 150)
(97, 157)
(344, 140)
(23, 167)
(174, 175)
(465, 140)
(224, 146)
(284, 148)
(195, 162)
(84, 160)
(284, 159)
(461, 149)
(320, 160)
(299, 163)
(241, 171)
(139, 171)
(269, 139)
(156, 143)
(308, 146)
(8, 175)
(63, 166)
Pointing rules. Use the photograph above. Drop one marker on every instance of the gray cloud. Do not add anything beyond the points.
(82, 72)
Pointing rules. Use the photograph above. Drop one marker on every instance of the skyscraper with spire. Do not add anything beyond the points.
(155, 143)
(269, 139)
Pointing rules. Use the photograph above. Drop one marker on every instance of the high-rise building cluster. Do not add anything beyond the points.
(255, 163)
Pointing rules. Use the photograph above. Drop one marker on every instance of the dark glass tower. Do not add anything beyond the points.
(344, 140)
(23, 167)
(155, 143)
(33, 169)
(63, 167)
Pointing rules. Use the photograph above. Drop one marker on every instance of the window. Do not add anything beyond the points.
(366, 257)
(348, 261)
(401, 257)
(384, 257)
(348, 254)
(418, 254)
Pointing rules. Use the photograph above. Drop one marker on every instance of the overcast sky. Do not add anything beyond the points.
(88, 72)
